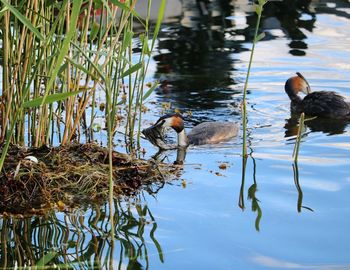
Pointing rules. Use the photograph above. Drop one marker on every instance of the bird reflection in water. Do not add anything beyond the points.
(315, 124)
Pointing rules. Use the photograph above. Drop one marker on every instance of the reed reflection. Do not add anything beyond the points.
(80, 240)
(316, 124)
(255, 206)
(298, 187)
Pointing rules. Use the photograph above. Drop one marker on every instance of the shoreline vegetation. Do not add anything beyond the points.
(57, 57)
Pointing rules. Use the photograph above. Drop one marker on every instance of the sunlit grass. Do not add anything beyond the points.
(56, 56)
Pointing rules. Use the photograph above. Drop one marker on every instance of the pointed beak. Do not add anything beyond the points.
(308, 87)
(155, 134)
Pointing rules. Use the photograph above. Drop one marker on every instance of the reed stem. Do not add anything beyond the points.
(259, 9)
(298, 139)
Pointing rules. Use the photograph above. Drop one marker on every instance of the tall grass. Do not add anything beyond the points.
(57, 55)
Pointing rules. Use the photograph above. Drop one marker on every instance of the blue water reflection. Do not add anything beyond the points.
(303, 209)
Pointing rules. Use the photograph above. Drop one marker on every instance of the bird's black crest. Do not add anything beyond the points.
(169, 115)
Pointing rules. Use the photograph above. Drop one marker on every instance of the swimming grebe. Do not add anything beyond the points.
(322, 103)
(204, 133)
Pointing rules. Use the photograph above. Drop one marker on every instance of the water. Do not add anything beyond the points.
(204, 219)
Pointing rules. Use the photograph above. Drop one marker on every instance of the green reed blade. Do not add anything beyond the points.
(159, 22)
(298, 140)
(132, 69)
(65, 46)
(23, 19)
(50, 99)
(82, 68)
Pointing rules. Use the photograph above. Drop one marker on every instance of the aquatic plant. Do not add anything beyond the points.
(252, 190)
(298, 138)
(58, 56)
(258, 9)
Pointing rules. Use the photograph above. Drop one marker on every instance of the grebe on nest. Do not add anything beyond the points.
(204, 133)
(322, 103)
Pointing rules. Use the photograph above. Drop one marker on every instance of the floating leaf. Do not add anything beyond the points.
(223, 166)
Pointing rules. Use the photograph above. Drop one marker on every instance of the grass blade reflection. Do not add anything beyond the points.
(81, 239)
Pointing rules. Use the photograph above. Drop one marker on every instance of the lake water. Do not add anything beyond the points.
(205, 218)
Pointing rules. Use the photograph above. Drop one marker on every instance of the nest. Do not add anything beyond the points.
(37, 179)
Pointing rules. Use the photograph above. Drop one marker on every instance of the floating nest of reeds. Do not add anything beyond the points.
(38, 179)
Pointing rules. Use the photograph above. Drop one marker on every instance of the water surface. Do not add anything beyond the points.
(204, 219)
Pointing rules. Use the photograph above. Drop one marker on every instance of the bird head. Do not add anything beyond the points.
(174, 120)
(297, 84)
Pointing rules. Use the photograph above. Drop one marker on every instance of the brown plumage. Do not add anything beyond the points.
(322, 103)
